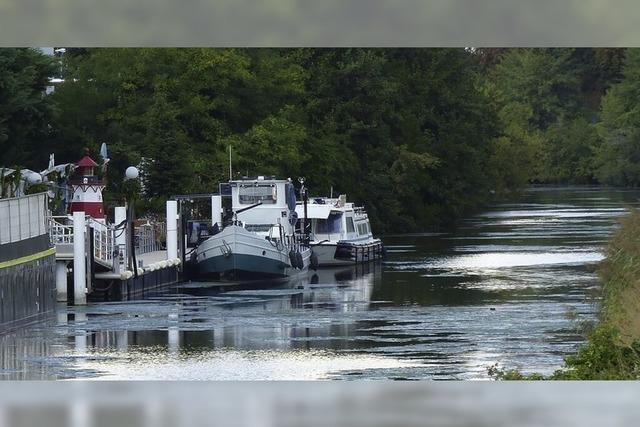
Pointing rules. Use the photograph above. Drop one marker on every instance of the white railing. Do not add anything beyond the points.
(104, 237)
(23, 217)
(146, 239)
(60, 233)
(103, 241)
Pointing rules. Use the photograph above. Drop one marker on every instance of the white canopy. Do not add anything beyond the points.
(315, 211)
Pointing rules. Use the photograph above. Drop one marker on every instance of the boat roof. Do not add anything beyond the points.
(258, 179)
(316, 211)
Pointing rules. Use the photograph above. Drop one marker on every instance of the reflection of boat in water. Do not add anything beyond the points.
(340, 232)
(301, 313)
(341, 289)
(260, 240)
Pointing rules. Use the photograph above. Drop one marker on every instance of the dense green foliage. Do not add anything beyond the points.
(25, 112)
(419, 136)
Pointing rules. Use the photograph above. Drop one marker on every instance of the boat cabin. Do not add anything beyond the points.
(263, 202)
(334, 219)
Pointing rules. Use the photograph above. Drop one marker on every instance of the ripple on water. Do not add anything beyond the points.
(230, 364)
(496, 260)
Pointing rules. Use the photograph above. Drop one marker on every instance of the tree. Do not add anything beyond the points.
(618, 159)
(169, 163)
(547, 101)
(25, 110)
(409, 118)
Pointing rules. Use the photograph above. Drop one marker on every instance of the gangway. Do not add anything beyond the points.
(101, 256)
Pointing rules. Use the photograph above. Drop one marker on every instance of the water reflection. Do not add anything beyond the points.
(207, 326)
(509, 286)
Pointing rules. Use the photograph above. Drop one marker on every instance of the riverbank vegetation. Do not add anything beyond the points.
(420, 136)
(612, 351)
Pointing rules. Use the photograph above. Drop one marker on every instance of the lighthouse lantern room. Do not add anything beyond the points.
(87, 189)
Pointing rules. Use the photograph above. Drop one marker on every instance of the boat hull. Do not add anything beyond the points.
(237, 253)
(333, 254)
(326, 256)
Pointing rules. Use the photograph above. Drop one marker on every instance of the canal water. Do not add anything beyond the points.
(511, 286)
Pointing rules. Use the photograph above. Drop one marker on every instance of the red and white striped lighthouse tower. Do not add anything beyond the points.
(87, 189)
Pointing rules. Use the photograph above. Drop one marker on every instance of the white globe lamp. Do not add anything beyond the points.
(131, 172)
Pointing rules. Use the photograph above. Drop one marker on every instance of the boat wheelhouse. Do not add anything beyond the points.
(340, 232)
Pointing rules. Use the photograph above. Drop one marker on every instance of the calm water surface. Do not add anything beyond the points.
(510, 286)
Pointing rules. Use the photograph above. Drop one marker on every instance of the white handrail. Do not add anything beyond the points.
(103, 238)
(104, 242)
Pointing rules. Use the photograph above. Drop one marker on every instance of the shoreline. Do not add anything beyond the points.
(612, 349)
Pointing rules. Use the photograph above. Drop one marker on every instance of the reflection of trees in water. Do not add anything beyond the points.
(405, 287)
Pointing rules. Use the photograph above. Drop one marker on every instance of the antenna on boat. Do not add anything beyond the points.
(331, 196)
(230, 167)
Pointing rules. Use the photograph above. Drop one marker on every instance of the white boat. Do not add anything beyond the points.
(340, 233)
(259, 240)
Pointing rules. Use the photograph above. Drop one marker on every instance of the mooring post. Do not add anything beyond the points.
(79, 266)
(61, 281)
(172, 229)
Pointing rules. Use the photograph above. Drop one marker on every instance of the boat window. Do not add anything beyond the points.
(362, 229)
(350, 227)
(331, 225)
(252, 194)
(257, 228)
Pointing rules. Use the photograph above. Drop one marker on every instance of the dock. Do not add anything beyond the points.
(97, 261)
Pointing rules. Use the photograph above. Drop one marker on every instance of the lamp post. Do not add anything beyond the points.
(305, 199)
(130, 175)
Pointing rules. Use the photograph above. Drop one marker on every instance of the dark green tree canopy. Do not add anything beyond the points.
(25, 112)
(420, 136)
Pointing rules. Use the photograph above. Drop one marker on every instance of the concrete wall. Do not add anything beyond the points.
(27, 261)
(27, 292)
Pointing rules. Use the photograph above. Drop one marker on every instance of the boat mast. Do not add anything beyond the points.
(230, 167)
